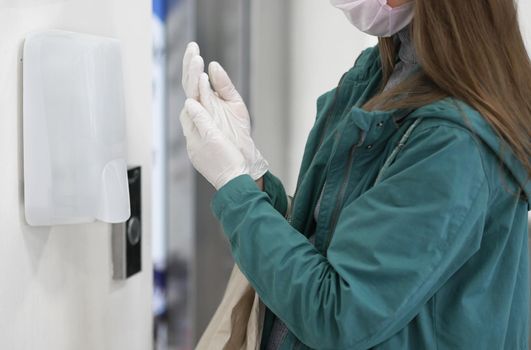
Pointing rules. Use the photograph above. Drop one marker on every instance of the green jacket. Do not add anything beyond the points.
(432, 254)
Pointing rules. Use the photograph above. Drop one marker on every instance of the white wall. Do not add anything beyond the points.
(269, 72)
(524, 6)
(56, 291)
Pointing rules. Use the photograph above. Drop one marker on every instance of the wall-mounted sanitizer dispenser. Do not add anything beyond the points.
(74, 130)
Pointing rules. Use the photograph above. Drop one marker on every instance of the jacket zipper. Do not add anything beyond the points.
(321, 139)
(342, 191)
(344, 184)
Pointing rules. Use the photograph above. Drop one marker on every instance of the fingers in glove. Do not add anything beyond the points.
(192, 50)
(206, 94)
(186, 123)
(201, 118)
(193, 67)
(195, 70)
(222, 83)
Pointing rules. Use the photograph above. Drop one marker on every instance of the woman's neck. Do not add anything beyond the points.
(406, 53)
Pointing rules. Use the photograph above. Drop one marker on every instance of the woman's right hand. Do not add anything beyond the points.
(225, 104)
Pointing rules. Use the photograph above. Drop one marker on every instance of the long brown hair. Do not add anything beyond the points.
(472, 50)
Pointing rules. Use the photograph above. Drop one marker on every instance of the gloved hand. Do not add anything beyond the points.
(231, 115)
(193, 67)
(212, 153)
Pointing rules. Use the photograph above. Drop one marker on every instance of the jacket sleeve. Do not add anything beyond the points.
(277, 195)
(393, 247)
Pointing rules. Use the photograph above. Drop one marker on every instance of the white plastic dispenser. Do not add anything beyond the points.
(74, 130)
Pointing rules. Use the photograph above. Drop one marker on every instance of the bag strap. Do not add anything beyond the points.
(397, 149)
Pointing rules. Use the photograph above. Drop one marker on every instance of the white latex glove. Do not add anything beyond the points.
(193, 67)
(212, 153)
(231, 115)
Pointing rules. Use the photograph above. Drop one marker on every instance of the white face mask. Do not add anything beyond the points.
(376, 17)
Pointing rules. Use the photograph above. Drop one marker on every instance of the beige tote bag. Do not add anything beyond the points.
(237, 323)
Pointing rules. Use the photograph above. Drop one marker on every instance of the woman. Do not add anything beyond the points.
(408, 229)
